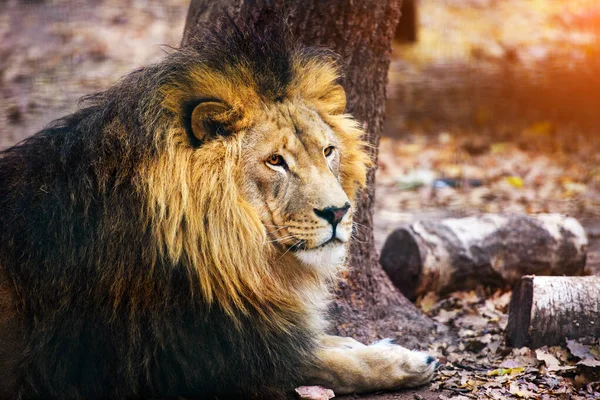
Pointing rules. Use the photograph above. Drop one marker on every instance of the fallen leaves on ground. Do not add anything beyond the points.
(444, 174)
(478, 365)
(589, 354)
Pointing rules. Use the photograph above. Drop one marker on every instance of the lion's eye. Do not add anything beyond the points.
(275, 160)
(328, 151)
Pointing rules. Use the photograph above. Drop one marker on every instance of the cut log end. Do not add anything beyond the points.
(400, 248)
(545, 310)
(520, 313)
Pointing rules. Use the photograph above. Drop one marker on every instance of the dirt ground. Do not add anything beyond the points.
(493, 110)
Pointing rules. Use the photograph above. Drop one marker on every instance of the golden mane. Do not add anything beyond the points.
(135, 251)
(200, 218)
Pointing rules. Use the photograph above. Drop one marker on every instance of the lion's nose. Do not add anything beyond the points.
(333, 215)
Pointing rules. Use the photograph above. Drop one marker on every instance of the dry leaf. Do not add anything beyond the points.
(314, 393)
(506, 371)
(515, 181)
(521, 391)
(582, 352)
(552, 363)
(428, 301)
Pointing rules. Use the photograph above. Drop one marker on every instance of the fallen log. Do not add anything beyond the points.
(544, 310)
(494, 250)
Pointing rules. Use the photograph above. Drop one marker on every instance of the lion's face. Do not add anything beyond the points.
(275, 167)
(292, 162)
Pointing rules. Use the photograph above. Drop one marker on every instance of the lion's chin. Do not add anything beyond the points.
(330, 255)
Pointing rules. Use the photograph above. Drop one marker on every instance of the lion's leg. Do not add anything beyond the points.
(348, 366)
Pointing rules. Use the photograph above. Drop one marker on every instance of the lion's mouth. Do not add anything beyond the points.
(328, 254)
(332, 240)
(303, 245)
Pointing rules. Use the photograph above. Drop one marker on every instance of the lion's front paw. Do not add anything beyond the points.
(347, 366)
(405, 368)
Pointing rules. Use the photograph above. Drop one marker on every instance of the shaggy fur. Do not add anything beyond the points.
(136, 264)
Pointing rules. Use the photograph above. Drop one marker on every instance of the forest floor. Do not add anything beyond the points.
(493, 110)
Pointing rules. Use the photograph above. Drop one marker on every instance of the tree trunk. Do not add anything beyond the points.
(545, 310)
(408, 28)
(493, 250)
(368, 306)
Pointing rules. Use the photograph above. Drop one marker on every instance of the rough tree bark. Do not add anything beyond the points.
(492, 249)
(368, 306)
(545, 310)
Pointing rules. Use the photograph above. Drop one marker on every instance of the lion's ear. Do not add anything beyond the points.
(210, 119)
(334, 101)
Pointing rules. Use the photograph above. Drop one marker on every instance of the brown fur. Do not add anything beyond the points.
(137, 255)
(150, 246)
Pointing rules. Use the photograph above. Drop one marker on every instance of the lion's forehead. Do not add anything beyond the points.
(299, 135)
(291, 126)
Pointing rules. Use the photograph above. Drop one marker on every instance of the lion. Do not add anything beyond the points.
(179, 234)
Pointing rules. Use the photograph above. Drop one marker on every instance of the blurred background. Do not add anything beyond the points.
(494, 105)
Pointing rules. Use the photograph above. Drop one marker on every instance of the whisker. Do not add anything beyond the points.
(280, 239)
(353, 237)
(278, 228)
(356, 231)
(361, 225)
(274, 231)
(290, 248)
